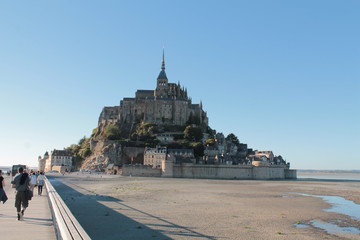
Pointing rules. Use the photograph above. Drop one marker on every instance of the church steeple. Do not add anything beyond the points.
(162, 74)
(163, 61)
(162, 86)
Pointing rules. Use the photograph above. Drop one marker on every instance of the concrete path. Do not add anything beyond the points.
(38, 222)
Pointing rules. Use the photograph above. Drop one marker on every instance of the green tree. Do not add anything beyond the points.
(193, 134)
(82, 140)
(198, 149)
(231, 137)
(144, 131)
(112, 132)
(211, 132)
(80, 151)
(210, 142)
(193, 120)
(152, 142)
(180, 144)
(85, 152)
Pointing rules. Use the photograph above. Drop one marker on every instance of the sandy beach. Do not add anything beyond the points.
(115, 207)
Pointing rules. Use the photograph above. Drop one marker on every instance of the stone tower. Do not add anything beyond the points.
(162, 81)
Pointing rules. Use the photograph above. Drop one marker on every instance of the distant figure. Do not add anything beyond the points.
(33, 181)
(21, 182)
(3, 197)
(40, 182)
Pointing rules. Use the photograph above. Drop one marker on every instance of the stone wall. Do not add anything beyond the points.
(61, 169)
(269, 172)
(189, 170)
(290, 174)
(140, 170)
(231, 172)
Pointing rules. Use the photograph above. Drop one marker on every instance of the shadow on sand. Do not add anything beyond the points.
(104, 222)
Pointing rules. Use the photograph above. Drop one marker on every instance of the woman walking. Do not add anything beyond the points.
(3, 197)
(33, 181)
(40, 182)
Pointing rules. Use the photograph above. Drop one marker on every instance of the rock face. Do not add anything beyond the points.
(105, 152)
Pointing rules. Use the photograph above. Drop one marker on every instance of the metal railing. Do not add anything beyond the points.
(66, 225)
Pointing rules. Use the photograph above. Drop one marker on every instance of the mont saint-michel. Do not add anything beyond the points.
(162, 133)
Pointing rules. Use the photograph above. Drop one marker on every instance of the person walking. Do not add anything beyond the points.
(33, 181)
(21, 183)
(3, 197)
(40, 182)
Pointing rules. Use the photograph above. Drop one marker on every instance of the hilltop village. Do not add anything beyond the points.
(162, 133)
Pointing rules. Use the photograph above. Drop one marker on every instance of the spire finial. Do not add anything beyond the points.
(163, 61)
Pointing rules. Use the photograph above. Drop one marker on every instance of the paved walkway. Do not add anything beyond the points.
(37, 224)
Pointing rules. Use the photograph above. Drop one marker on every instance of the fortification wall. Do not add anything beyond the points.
(61, 169)
(189, 170)
(290, 174)
(230, 172)
(140, 170)
(269, 172)
(212, 171)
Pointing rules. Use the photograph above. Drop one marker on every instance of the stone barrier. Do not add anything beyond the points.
(66, 225)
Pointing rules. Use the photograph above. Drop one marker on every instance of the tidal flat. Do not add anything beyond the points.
(116, 207)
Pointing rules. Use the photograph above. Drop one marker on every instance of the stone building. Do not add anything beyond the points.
(42, 162)
(265, 154)
(167, 104)
(182, 155)
(59, 158)
(154, 156)
(165, 138)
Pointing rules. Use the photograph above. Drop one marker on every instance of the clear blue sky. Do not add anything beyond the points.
(281, 75)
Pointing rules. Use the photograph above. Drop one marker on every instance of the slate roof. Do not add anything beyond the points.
(162, 75)
(60, 153)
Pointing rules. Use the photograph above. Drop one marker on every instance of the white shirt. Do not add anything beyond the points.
(33, 180)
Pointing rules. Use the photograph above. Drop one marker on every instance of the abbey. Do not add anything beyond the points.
(167, 104)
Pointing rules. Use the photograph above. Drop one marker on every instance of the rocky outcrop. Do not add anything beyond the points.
(105, 152)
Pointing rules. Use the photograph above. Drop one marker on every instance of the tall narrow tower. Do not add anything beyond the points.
(162, 81)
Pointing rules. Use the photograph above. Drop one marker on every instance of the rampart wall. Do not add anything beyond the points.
(189, 170)
(140, 170)
(290, 174)
(231, 172)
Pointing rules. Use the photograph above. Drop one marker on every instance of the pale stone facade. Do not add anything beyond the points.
(58, 158)
(154, 156)
(267, 154)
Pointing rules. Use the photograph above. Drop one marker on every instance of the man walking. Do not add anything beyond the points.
(21, 182)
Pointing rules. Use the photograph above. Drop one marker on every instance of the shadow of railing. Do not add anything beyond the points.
(100, 217)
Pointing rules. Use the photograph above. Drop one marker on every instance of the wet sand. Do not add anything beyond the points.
(115, 207)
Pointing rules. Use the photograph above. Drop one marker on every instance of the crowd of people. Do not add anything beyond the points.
(24, 184)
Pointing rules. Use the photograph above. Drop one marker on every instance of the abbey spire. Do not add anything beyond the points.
(163, 62)
(162, 74)
(162, 81)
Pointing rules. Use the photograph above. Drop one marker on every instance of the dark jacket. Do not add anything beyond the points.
(3, 196)
(22, 187)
